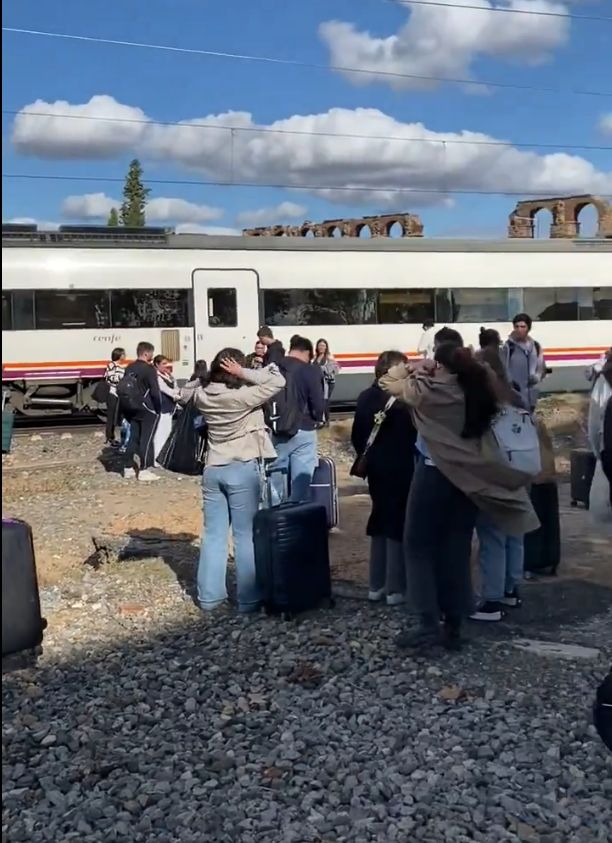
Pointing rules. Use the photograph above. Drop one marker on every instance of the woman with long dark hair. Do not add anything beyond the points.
(389, 468)
(237, 443)
(459, 471)
(329, 369)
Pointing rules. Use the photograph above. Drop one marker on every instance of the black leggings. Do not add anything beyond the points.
(112, 417)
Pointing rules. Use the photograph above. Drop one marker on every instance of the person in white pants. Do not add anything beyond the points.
(169, 396)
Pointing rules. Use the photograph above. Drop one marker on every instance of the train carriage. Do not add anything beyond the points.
(69, 297)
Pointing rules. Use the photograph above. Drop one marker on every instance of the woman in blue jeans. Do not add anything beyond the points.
(238, 443)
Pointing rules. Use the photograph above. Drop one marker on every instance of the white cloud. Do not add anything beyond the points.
(605, 124)
(405, 155)
(96, 206)
(445, 42)
(58, 137)
(164, 209)
(89, 206)
(194, 228)
(268, 216)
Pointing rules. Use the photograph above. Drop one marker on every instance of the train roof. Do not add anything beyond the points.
(92, 237)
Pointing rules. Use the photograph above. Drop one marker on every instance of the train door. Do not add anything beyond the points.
(226, 310)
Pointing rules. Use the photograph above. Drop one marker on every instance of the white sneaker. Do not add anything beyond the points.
(129, 474)
(376, 596)
(147, 476)
(395, 599)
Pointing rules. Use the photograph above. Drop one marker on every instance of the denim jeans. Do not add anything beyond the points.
(231, 497)
(298, 456)
(501, 559)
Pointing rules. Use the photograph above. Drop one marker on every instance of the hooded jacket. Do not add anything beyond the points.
(234, 417)
(526, 367)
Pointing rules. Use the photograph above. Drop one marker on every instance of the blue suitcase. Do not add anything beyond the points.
(292, 557)
(324, 490)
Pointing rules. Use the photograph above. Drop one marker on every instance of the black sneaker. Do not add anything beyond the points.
(418, 639)
(511, 599)
(488, 611)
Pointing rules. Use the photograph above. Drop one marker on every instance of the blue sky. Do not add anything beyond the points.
(58, 77)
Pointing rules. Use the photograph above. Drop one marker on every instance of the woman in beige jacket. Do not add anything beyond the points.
(460, 470)
(237, 443)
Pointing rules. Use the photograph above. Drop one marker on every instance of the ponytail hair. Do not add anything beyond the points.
(480, 401)
(488, 337)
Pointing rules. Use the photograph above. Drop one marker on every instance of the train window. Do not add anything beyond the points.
(551, 304)
(222, 307)
(23, 310)
(444, 310)
(6, 311)
(320, 307)
(405, 306)
(71, 309)
(482, 304)
(150, 308)
(602, 303)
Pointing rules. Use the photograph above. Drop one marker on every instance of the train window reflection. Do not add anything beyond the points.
(405, 306)
(7, 321)
(482, 304)
(602, 303)
(23, 310)
(150, 308)
(551, 304)
(72, 309)
(320, 307)
(222, 307)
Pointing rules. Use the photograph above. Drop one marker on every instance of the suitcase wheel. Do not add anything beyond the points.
(574, 503)
(287, 616)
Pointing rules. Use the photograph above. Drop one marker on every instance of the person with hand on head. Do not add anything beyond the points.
(459, 472)
(237, 444)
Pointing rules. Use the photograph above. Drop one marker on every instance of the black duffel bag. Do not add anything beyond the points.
(185, 448)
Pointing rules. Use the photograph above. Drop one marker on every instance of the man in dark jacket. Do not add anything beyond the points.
(274, 348)
(142, 410)
(298, 453)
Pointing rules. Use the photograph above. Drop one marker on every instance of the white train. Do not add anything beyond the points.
(69, 297)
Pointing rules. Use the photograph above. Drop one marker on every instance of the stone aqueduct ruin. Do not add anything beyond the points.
(565, 211)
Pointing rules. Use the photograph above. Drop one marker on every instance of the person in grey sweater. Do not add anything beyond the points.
(524, 362)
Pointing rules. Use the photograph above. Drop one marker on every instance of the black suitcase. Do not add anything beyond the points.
(543, 546)
(292, 557)
(324, 489)
(582, 469)
(602, 711)
(22, 624)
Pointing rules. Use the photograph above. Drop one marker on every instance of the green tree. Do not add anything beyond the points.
(134, 197)
(113, 218)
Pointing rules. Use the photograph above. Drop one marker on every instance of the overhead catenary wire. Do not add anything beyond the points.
(503, 9)
(301, 132)
(290, 186)
(275, 60)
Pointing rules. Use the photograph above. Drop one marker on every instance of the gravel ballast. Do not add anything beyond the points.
(234, 729)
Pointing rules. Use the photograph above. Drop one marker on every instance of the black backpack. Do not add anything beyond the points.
(284, 411)
(131, 393)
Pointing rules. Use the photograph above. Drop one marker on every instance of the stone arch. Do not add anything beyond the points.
(395, 228)
(542, 222)
(363, 230)
(565, 211)
(587, 224)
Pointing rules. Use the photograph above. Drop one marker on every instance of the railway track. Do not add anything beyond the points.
(29, 426)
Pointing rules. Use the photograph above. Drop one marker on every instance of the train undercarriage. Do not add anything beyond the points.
(40, 399)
